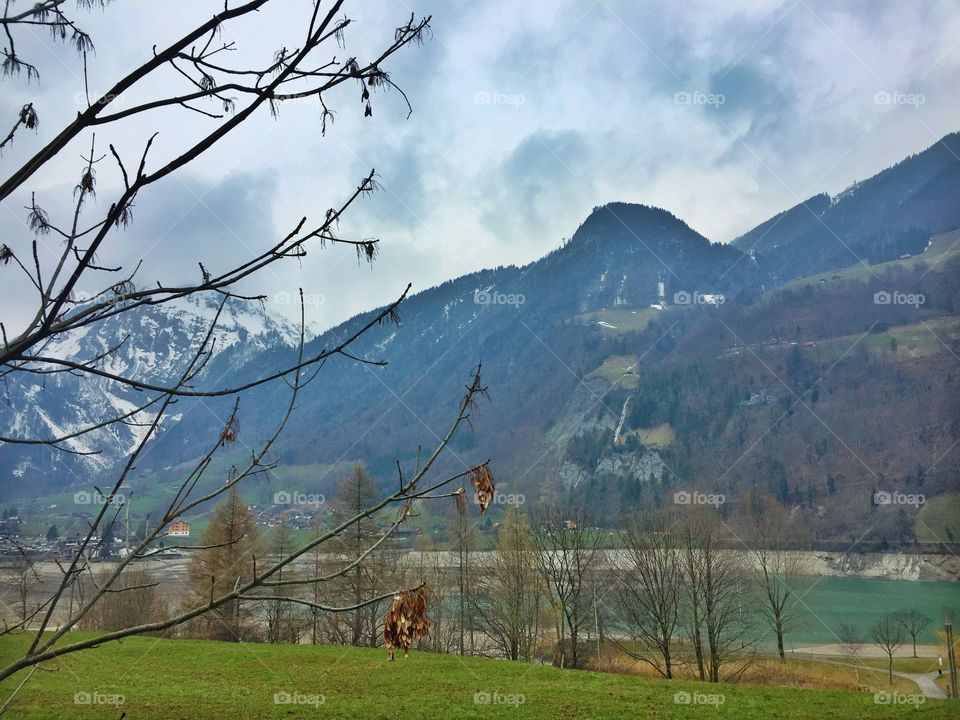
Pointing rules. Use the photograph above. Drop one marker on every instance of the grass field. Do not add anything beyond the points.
(939, 519)
(618, 320)
(613, 370)
(150, 678)
(941, 247)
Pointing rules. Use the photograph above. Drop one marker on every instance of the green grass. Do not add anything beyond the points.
(939, 519)
(613, 370)
(657, 437)
(942, 247)
(617, 321)
(913, 341)
(173, 679)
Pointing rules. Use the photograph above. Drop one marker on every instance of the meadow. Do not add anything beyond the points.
(151, 678)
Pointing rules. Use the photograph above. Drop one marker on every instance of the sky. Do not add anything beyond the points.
(526, 115)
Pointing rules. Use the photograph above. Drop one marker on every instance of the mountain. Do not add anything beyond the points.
(893, 213)
(531, 327)
(636, 361)
(153, 344)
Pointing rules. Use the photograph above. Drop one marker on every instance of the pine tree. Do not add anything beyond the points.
(216, 571)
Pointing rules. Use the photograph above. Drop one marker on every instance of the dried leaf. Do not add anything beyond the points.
(406, 620)
(482, 480)
(230, 432)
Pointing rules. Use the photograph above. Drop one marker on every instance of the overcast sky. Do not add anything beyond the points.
(526, 116)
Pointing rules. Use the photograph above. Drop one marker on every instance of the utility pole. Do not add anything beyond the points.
(952, 660)
(596, 620)
(126, 520)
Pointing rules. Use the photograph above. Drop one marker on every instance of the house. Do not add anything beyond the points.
(179, 528)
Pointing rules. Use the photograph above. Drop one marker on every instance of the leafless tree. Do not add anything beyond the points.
(850, 639)
(429, 566)
(887, 634)
(775, 544)
(224, 85)
(567, 551)
(24, 576)
(464, 538)
(285, 622)
(649, 578)
(508, 601)
(232, 92)
(913, 623)
(132, 600)
(716, 600)
(248, 586)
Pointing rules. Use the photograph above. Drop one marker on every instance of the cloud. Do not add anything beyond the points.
(526, 115)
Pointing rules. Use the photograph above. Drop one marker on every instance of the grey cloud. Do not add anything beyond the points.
(485, 184)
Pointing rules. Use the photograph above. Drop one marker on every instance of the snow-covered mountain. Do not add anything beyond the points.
(153, 344)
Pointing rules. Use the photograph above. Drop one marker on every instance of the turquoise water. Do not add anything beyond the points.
(827, 602)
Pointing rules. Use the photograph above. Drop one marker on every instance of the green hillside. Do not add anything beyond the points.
(173, 679)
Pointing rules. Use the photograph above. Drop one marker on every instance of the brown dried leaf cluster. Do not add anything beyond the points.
(230, 432)
(482, 480)
(406, 620)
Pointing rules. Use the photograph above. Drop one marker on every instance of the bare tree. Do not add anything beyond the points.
(508, 601)
(46, 646)
(649, 576)
(464, 539)
(25, 578)
(133, 600)
(429, 566)
(233, 92)
(285, 622)
(778, 566)
(913, 623)
(715, 598)
(224, 85)
(850, 639)
(887, 634)
(567, 550)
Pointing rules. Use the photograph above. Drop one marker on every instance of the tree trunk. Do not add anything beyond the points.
(780, 640)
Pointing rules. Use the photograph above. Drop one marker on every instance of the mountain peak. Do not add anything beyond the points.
(628, 224)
